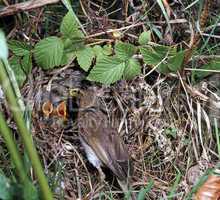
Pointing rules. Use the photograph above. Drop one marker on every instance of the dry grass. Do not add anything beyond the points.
(160, 125)
(168, 125)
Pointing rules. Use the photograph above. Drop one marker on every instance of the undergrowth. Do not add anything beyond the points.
(155, 65)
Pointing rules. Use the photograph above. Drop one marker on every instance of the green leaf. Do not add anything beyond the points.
(102, 51)
(124, 50)
(145, 190)
(171, 132)
(98, 51)
(85, 57)
(12, 190)
(19, 48)
(48, 52)
(67, 57)
(16, 66)
(5, 188)
(73, 44)
(26, 63)
(3, 46)
(107, 70)
(213, 65)
(150, 56)
(165, 50)
(68, 5)
(155, 55)
(21, 67)
(144, 37)
(107, 49)
(175, 62)
(132, 69)
(69, 27)
(30, 192)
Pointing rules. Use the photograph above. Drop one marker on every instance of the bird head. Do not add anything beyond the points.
(87, 98)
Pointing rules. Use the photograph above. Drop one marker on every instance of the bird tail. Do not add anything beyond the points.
(125, 186)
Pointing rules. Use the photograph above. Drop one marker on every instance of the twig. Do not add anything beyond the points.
(201, 57)
(113, 30)
(25, 6)
(202, 70)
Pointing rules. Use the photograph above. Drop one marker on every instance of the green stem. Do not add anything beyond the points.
(13, 150)
(25, 134)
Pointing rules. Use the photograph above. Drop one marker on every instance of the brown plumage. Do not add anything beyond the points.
(102, 144)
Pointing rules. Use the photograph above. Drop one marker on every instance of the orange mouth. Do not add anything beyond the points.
(47, 108)
(60, 111)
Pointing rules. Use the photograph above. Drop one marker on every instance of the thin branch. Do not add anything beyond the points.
(114, 30)
(25, 6)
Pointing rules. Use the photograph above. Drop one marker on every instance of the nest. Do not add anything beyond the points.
(141, 112)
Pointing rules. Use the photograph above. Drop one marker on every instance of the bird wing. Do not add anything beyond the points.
(105, 142)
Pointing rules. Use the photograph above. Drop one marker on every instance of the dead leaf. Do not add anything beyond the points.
(210, 190)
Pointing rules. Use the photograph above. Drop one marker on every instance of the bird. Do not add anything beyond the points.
(101, 141)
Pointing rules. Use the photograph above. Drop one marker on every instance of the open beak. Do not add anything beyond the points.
(47, 108)
(61, 110)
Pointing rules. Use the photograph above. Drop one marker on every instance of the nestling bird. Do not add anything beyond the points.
(102, 144)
